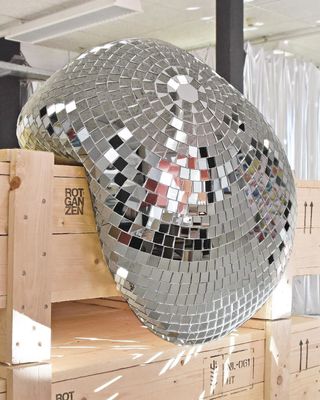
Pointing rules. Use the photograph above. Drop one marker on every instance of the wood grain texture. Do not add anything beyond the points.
(305, 385)
(69, 219)
(93, 345)
(68, 171)
(5, 155)
(305, 344)
(79, 260)
(27, 331)
(4, 168)
(3, 385)
(277, 375)
(78, 268)
(3, 264)
(4, 204)
(307, 184)
(29, 382)
(305, 258)
(308, 196)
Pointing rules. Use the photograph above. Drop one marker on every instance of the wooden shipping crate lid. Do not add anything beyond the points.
(90, 339)
(302, 324)
(307, 184)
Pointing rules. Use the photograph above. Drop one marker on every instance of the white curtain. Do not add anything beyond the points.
(287, 92)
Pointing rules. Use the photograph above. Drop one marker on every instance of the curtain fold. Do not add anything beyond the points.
(287, 92)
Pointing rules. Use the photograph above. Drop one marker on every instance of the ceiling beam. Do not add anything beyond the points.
(229, 41)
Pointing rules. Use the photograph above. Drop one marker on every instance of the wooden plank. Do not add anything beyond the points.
(5, 155)
(308, 196)
(95, 362)
(305, 385)
(277, 377)
(89, 339)
(29, 382)
(301, 324)
(305, 255)
(172, 379)
(72, 206)
(4, 168)
(79, 260)
(117, 303)
(3, 301)
(85, 274)
(25, 332)
(69, 171)
(3, 264)
(3, 385)
(4, 204)
(305, 344)
(307, 184)
(67, 177)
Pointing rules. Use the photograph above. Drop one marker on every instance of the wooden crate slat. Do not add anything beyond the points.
(305, 344)
(277, 373)
(28, 382)
(308, 195)
(305, 385)
(3, 264)
(116, 331)
(4, 203)
(80, 261)
(5, 155)
(67, 171)
(25, 332)
(3, 385)
(110, 342)
(178, 382)
(305, 255)
(4, 168)
(72, 206)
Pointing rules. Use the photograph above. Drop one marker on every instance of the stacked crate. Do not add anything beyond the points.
(292, 360)
(54, 346)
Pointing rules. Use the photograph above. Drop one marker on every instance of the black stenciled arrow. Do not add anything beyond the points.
(300, 365)
(311, 212)
(305, 217)
(307, 353)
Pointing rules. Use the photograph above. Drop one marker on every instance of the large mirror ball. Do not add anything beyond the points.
(193, 194)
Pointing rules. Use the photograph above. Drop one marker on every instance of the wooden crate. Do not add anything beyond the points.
(48, 240)
(301, 365)
(73, 235)
(49, 250)
(100, 350)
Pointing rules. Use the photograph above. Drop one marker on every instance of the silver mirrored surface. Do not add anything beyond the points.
(194, 198)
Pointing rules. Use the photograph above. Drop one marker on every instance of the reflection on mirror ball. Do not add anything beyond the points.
(194, 197)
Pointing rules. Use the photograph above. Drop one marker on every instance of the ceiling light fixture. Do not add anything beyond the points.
(248, 1)
(282, 52)
(258, 23)
(192, 8)
(206, 18)
(250, 28)
(72, 19)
